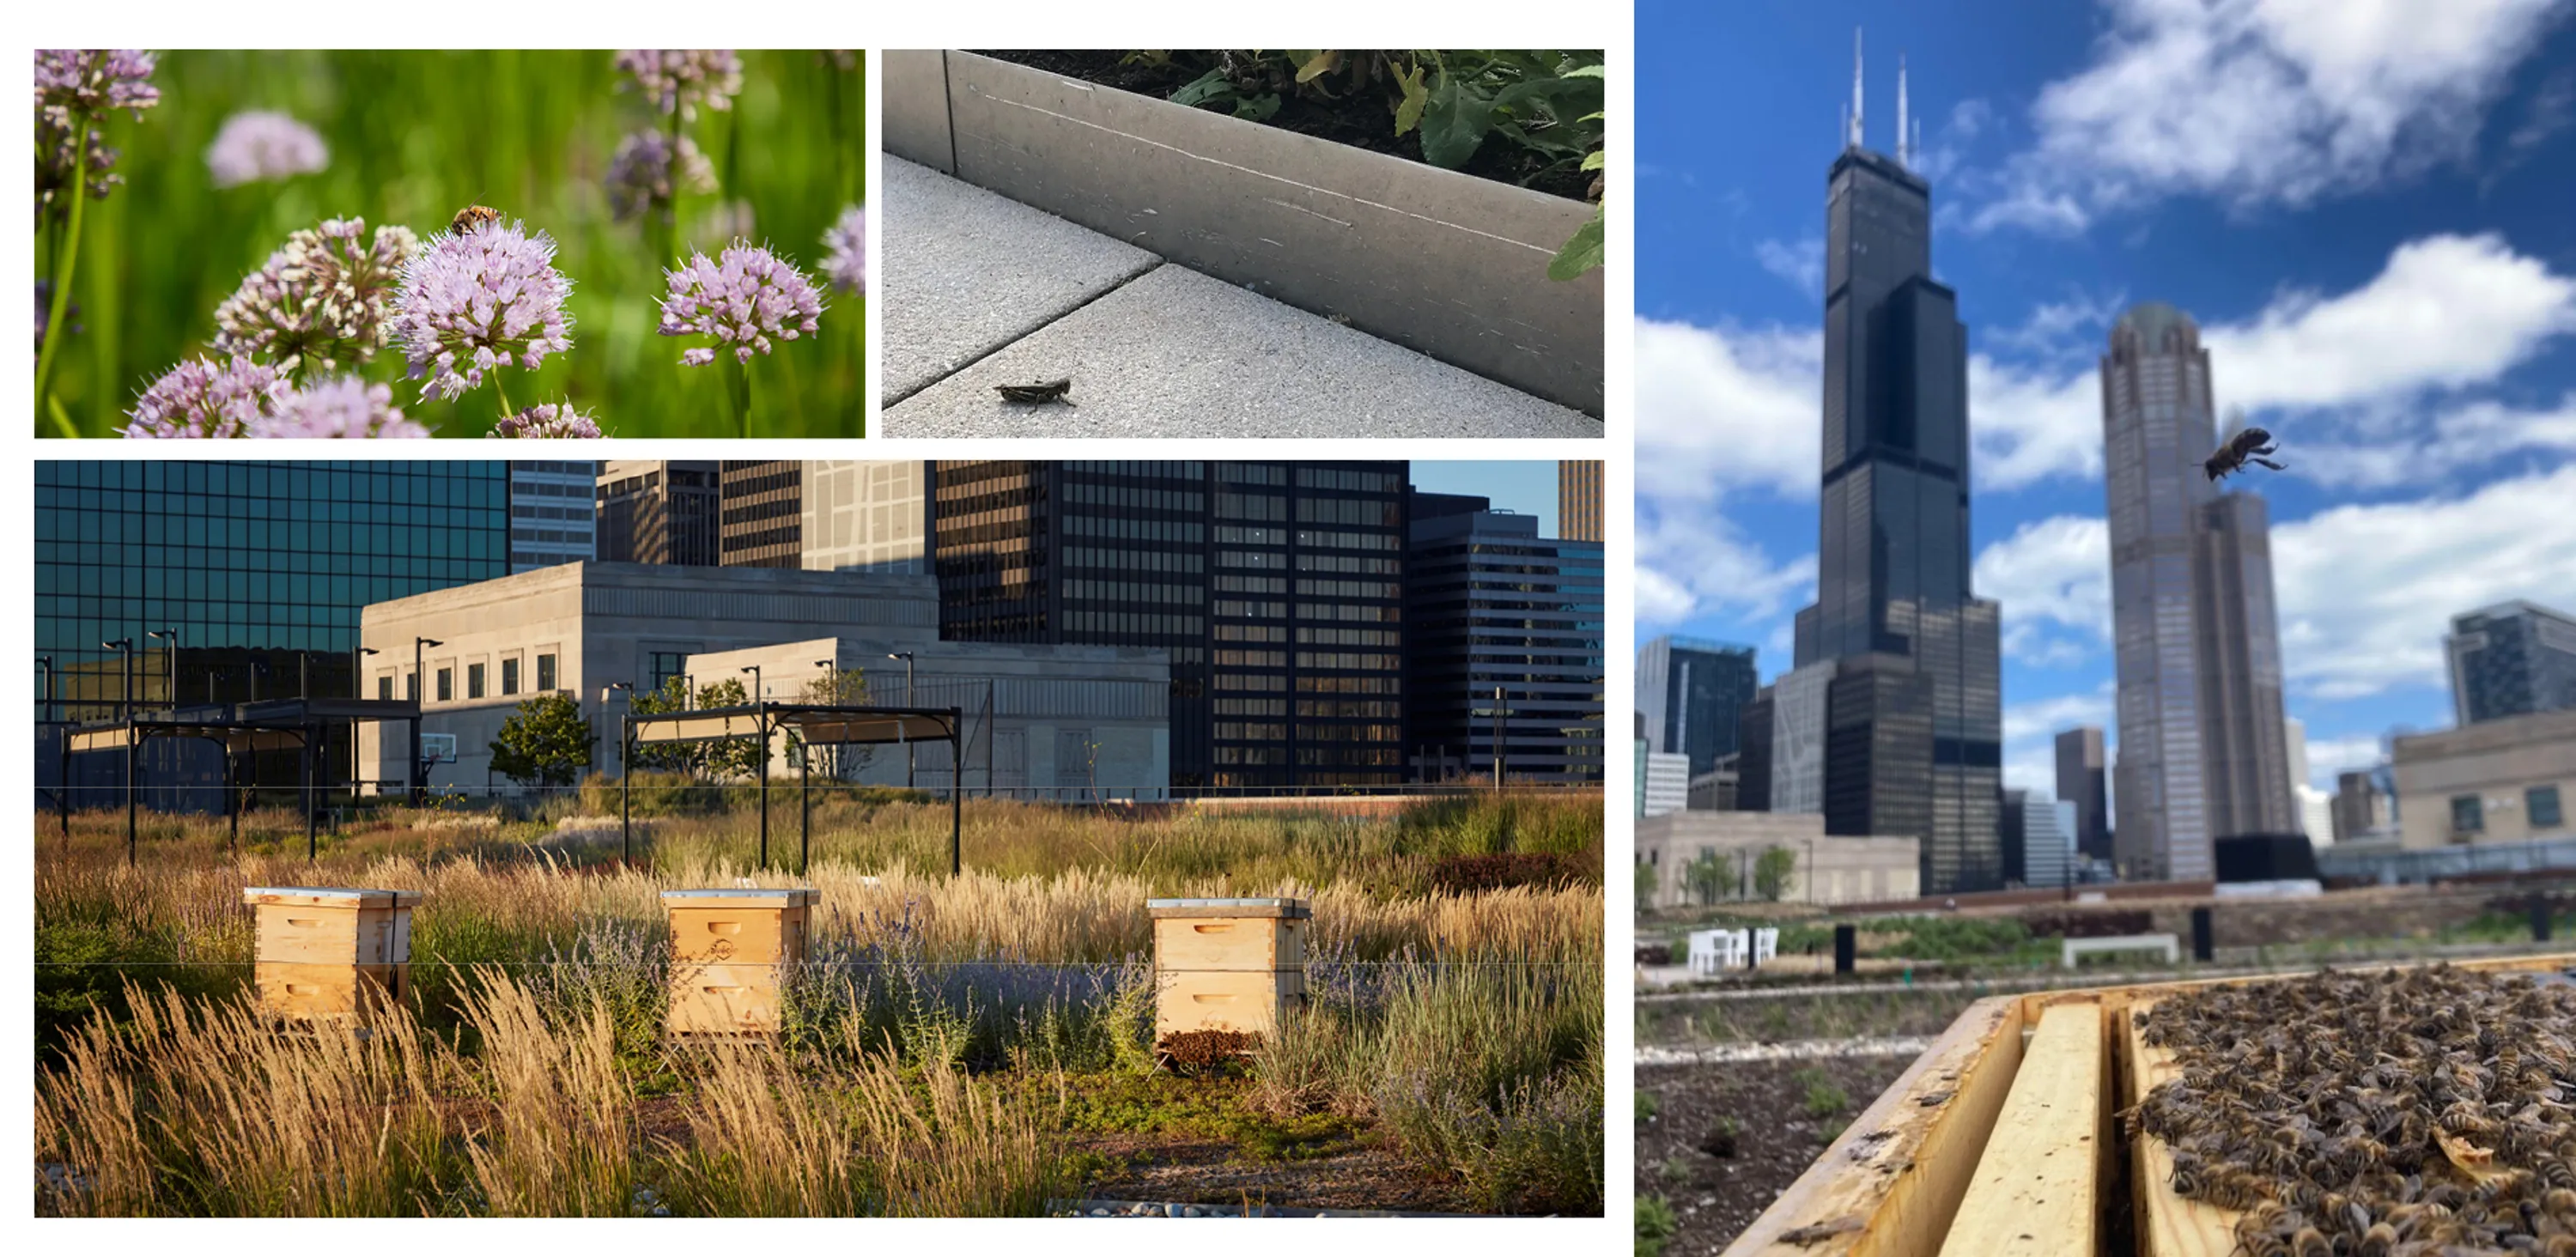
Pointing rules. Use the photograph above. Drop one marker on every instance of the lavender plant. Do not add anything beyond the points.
(258, 145)
(476, 300)
(741, 300)
(75, 90)
(326, 297)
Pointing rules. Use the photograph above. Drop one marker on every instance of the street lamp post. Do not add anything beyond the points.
(831, 694)
(760, 714)
(906, 657)
(358, 690)
(625, 775)
(1498, 737)
(170, 670)
(414, 775)
(124, 648)
(48, 661)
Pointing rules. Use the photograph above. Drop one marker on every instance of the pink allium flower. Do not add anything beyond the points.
(342, 407)
(547, 420)
(202, 398)
(748, 297)
(259, 144)
(646, 173)
(73, 85)
(846, 261)
(326, 295)
(479, 299)
(684, 78)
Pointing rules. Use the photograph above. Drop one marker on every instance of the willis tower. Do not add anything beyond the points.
(1913, 717)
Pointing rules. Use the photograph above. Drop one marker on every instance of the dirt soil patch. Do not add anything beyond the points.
(1361, 121)
(1215, 1172)
(1761, 1110)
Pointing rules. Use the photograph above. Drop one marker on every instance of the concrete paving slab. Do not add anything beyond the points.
(968, 271)
(1179, 354)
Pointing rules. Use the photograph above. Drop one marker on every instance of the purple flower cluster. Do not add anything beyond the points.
(260, 144)
(646, 172)
(327, 295)
(681, 79)
(547, 421)
(342, 407)
(742, 301)
(245, 398)
(845, 261)
(479, 299)
(203, 398)
(75, 86)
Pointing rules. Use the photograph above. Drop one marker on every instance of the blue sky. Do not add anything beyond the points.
(1525, 486)
(2369, 208)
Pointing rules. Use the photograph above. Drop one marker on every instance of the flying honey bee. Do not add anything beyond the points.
(473, 216)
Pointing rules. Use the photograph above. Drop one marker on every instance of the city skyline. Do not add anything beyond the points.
(2418, 444)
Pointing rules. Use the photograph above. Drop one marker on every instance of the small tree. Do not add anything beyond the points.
(1707, 878)
(547, 743)
(735, 758)
(847, 686)
(1645, 886)
(1773, 872)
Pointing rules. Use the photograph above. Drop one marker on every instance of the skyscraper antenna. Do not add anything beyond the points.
(1904, 151)
(1854, 138)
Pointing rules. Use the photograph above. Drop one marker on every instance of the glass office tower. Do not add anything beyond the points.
(1277, 589)
(1915, 714)
(1504, 636)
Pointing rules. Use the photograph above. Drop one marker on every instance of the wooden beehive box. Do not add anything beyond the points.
(728, 951)
(329, 952)
(1920, 1172)
(1228, 964)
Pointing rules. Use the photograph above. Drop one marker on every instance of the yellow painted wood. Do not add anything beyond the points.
(1230, 943)
(1243, 1002)
(732, 935)
(723, 999)
(2034, 1193)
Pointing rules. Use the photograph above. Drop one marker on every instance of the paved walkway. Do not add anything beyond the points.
(981, 290)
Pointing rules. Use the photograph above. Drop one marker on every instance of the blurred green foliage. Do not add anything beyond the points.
(414, 137)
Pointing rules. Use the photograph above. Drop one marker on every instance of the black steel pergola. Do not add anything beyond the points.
(297, 724)
(814, 724)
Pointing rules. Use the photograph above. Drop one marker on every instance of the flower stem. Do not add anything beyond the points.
(63, 265)
(740, 385)
(506, 411)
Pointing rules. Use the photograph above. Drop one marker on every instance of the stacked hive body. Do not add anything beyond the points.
(1234, 965)
(330, 952)
(729, 949)
(2000, 1139)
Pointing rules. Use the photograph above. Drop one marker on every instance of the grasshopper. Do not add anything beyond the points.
(1051, 391)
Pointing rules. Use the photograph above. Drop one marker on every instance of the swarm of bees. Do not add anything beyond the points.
(2419, 1113)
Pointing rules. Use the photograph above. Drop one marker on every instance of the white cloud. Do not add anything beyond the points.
(2458, 437)
(2259, 102)
(1801, 264)
(2051, 572)
(2446, 311)
(1727, 409)
(1692, 561)
(2075, 327)
(2031, 423)
(2030, 734)
(2329, 756)
(2366, 592)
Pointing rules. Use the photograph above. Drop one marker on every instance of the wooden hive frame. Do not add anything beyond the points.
(1916, 1174)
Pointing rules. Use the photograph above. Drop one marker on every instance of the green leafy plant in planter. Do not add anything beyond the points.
(1546, 104)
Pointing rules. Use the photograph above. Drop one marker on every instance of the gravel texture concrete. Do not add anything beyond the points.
(967, 272)
(1178, 354)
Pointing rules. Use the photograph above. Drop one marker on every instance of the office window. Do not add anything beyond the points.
(2467, 817)
(545, 674)
(2540, 803)
(411, 686)
(473, 680)
(447, 685)
(385, 687)
(509, 677)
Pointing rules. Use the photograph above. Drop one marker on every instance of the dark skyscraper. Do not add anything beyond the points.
(2082, 781)
(1490, 605)
(1691, 693)
(2512, 659)
(1915, 713)
(660, 512)
(1277, 587)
